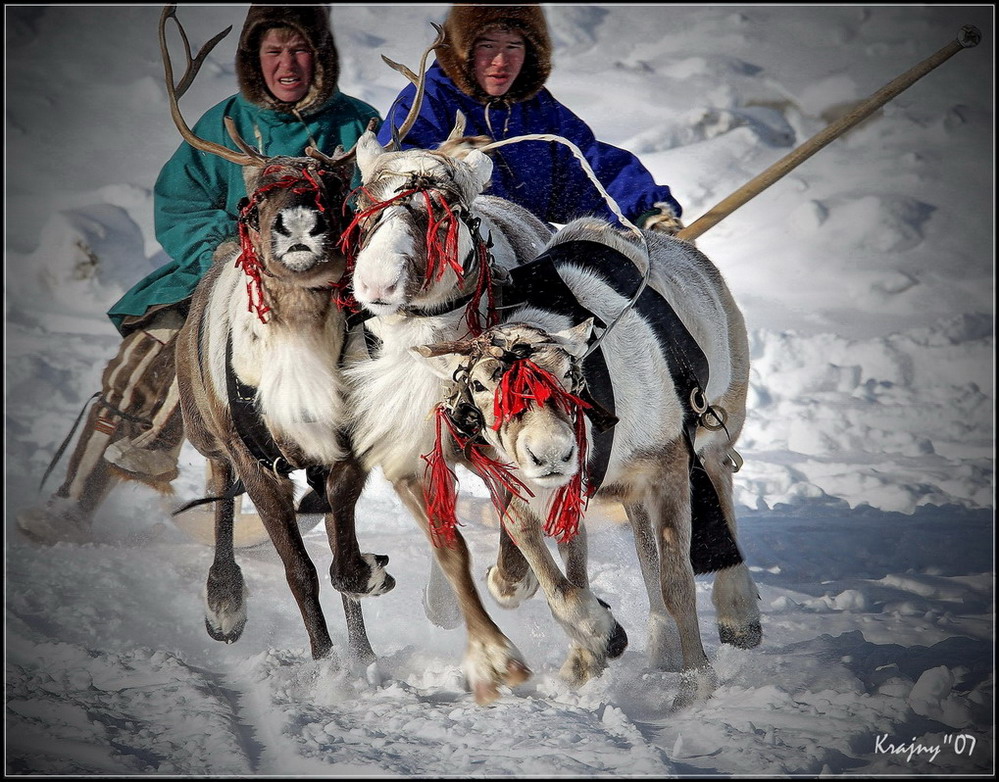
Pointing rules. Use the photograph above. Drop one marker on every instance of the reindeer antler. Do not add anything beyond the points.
(419, 81)
(250, 156)
(339, 155)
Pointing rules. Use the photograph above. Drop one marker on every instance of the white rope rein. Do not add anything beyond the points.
(611, 203)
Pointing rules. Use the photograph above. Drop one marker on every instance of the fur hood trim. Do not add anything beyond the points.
(465, 23)
(313, 23)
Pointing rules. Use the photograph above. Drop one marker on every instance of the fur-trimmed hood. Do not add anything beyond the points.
(313, 23)
(463, 26)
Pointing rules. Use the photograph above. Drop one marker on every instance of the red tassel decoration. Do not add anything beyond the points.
(301, 182)
(570, 501)
(252, 268)
(524, 384)
(498, 479)
(440, 494)
(442, 253)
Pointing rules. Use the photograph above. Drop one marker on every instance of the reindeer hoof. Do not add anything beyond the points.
(228, 636)
(225, 603)
(368, 578)
(489, 664)
(516, 673)
(618, 642)
(510, 594)
(485, 693)
(696, 686)
(745, 637)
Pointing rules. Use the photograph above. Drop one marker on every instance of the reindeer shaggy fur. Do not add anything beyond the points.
(648, 469)
(288, 349)
(393, 393)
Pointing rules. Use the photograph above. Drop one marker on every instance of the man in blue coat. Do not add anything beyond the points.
(493, 67)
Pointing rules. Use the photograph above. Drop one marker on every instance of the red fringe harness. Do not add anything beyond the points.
(442, 251)
(523, 384)
(301, 182)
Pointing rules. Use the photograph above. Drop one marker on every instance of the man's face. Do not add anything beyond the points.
(499, 56)
(286, 62)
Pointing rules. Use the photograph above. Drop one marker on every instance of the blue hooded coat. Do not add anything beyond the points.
(542, 176)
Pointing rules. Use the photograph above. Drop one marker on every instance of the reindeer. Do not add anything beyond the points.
(258, 371)
(430, 252)
(524, 389)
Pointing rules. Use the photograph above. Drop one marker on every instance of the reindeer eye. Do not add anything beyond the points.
(320, 226)
(477, 387)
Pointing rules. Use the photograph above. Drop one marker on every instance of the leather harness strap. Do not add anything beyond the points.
(538, 283)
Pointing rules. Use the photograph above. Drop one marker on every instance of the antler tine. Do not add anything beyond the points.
(230, 126)
(174, 91)
(398, 66)
(463, 347)
(459, 126)
(193, 63)
(339, 155)
(420, 82)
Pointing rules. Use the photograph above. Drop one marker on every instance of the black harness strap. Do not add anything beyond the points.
(257, 439)
(539, 284)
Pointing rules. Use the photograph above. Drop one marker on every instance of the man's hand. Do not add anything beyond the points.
(663, 220)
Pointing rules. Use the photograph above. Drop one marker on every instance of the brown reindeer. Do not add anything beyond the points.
(258, 372)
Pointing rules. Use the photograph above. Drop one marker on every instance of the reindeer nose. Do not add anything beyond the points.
(550, 454)
(376, 293)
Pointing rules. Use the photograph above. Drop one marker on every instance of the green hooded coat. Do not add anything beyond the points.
(197, 194)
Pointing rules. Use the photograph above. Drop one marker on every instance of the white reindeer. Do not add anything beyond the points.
(431, 252)
(258, 371)
(538, 351)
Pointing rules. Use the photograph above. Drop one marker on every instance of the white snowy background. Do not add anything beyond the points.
(866, 502)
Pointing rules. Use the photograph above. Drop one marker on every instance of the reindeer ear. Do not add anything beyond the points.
(444, 365)
(575, 340)
(368, 151)
(481, 168)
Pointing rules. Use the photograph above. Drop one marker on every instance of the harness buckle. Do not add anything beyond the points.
(697, 400)
(720, 416)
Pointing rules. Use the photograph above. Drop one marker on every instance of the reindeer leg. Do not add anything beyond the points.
(440, 603)
(225, 592)
(357, 634)
(664, 640)
(274, 499)
(734, 594)
(594, 633)
(354, 574)
(668, 503)
(491, 659)
(575, 557)
(511, 580)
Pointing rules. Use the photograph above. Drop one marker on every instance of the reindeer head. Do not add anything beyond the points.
(518, 386)
(415, 242)
(290, 221)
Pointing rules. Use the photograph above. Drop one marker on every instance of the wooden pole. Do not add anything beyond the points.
(968, 37)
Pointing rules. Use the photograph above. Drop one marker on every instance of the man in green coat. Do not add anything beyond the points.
(287, 66)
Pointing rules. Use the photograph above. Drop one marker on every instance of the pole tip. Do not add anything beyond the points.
(969, 36)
